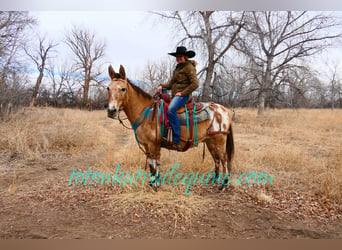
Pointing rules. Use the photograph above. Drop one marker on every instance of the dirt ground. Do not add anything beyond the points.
(54, 210)
(37, 203)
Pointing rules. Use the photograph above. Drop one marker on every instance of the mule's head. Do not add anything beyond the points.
(117, 91)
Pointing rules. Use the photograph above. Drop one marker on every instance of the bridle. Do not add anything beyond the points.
(157, 96)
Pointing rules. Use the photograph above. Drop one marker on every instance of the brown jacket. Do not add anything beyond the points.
(184, 79)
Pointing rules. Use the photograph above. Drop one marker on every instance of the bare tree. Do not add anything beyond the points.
(334, 84)
(213, 32)
(273, 42)
(59, 75)
(40, 56)
(155, 74)
(292, 92)
(14, 27)
(88, 51)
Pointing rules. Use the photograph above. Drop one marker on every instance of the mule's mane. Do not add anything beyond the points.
(139, 90)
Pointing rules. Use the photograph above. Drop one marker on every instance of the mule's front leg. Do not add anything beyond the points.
(153, 162)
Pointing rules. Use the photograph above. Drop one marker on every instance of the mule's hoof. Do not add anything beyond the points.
(155, 189)
(214, 180)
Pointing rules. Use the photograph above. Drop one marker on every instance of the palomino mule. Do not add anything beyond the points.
(216, 131)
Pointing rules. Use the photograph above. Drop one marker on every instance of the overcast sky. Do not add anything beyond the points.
(171, 5)
(133, 38)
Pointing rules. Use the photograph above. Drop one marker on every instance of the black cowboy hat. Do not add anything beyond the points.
(182, 51)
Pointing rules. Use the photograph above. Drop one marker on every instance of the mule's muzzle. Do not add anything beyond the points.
(111, 113)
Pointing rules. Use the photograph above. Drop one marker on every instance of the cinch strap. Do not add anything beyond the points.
(195, 126)
(187, 118)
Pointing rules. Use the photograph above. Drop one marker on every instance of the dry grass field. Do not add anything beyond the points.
(40, 147)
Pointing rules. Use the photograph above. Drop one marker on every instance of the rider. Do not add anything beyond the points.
(183, 82)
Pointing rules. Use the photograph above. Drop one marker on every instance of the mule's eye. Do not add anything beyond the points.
(108, 88)
(123, 89)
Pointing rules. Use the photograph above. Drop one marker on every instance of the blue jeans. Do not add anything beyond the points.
(176, 103)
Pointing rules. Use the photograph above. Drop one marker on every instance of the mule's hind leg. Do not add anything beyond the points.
(215, 149)
(226, 169)
(226, 172)
(227, 159)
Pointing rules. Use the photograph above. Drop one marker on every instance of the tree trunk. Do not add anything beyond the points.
(86, 90)
(36, 89)
(332, 96)
(261, 102)
(206, 95)
(266, 86)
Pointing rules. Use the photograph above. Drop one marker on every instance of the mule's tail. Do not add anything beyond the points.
(230, 144)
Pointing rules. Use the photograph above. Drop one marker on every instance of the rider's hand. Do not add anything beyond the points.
(178, 94)
(159, 89)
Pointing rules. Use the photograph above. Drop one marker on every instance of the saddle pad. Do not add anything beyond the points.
(201, 115)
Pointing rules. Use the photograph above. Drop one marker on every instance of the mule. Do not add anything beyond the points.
(216, 132)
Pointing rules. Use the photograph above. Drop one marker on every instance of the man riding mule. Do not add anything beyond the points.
(183, 82)
(144, 113)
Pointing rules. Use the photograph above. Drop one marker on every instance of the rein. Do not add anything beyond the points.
(134, 129)
(120, 120)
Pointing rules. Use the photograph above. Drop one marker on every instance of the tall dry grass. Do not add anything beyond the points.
(300, 148)
(34, 133)
(90, 138)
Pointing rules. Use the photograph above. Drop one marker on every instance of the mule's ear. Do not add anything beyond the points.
(122, 72)
(111, 72)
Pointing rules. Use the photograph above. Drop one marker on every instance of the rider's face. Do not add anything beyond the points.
(180, 58)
